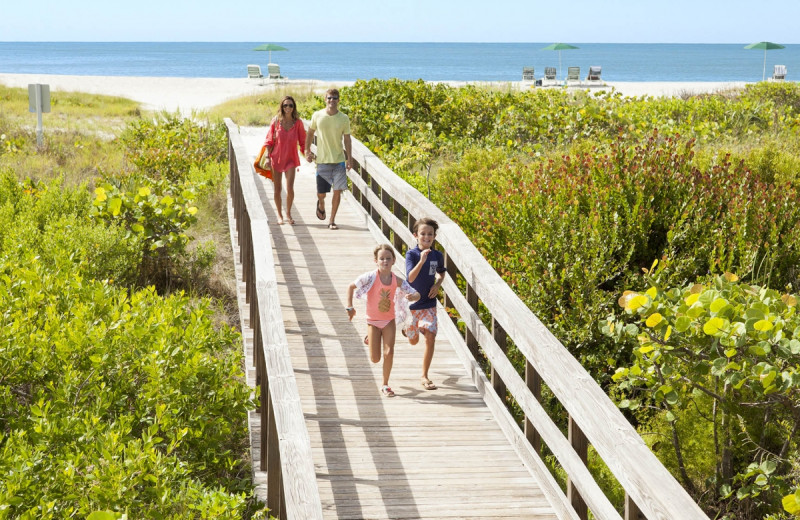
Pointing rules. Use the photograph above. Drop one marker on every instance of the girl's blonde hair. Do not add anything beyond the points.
(381, 247)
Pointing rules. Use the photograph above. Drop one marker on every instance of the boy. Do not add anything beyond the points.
(425, 272)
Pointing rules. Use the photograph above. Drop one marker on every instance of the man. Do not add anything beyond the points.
(331, 128)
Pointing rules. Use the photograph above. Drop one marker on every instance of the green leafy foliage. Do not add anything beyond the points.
(732, 350)
(99, 408)
(167, 147)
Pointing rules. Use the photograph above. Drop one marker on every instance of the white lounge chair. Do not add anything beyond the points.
(254, 72)
(779, 73)
(274, 71)
(573, 75)
(594, 74)
(527, 74)
(550, 76)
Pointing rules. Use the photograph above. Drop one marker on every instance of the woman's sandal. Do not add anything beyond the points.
(386, 391)
(427, 384)
(290, 220)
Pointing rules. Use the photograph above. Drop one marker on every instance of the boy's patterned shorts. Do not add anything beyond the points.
(423, 319)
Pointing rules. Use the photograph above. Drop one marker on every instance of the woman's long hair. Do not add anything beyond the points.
(294, 108)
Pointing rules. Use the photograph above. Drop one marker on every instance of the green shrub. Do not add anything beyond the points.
(722, 360)
(168, 147)
(112, 401)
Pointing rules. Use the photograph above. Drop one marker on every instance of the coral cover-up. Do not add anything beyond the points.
(284, 144)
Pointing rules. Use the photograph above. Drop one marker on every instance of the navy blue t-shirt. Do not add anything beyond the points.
(426, 277)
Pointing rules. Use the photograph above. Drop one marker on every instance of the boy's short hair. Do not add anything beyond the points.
(425, 221)
(332, 92)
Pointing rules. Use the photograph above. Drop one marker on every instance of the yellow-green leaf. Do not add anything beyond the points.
(101, 194)
(692, 299)
(791, 503)
(654, 319)
(718, 304)
(644, 349)
(763, 325)
(668, 333)
(652, 293)
(115, 205)
(730, 277)
(625, 298)
(713, 326)
(636, 302)
(144, 191)
(192, 210)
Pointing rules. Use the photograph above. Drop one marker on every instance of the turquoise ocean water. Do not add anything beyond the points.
(428, 61)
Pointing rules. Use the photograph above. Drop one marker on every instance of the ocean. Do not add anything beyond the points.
(428, 61)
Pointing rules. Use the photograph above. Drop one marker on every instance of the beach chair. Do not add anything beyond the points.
(274, 71)
(594, 74)
(527, 74)
(779, 74)
(254, 72)
(573, 75)
(550, 75)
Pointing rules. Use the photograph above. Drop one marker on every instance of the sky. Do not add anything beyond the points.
(575, 21)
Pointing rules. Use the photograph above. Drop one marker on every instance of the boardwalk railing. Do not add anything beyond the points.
(292, 491)
(392, 206)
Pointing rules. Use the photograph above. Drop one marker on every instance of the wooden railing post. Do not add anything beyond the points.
(631, 509)
(469, 336)
(366, 178)
(452, 273)
(387, 202)
(376, 189)
(398, 211)
(581, 446)
(274, 480)
(534, 383)
(501, 338)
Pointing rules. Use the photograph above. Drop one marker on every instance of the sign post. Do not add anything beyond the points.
(39, 101)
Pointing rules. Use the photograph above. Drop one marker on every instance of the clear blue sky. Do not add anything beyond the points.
(589, 21)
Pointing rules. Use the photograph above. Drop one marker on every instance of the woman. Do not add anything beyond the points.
(286, 133)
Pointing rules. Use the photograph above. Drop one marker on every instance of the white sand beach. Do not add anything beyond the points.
(188, 94)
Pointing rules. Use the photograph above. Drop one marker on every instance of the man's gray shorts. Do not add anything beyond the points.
(333, 174)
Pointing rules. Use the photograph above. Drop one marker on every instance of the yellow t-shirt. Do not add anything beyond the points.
(329, 131)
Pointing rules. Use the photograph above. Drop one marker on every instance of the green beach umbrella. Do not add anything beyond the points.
(559, 47)
(767, 46)
(270, 47)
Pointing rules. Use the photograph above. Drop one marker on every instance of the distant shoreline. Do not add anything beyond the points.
(188, 94)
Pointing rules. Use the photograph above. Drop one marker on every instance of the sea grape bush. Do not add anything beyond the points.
(731, 350)
(115, 401)
(168, 146)
(569, 232)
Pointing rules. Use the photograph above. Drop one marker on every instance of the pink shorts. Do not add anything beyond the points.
(380, 324)
(423, 320)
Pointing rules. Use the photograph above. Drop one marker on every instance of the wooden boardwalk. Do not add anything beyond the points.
(421, 454)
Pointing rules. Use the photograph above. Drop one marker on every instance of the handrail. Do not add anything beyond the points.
(651, 491)
(292, 491)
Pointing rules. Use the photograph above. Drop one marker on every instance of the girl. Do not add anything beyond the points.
(285, 134)
(387, 303)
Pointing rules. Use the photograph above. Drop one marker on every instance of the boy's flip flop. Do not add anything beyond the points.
(320, 212)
